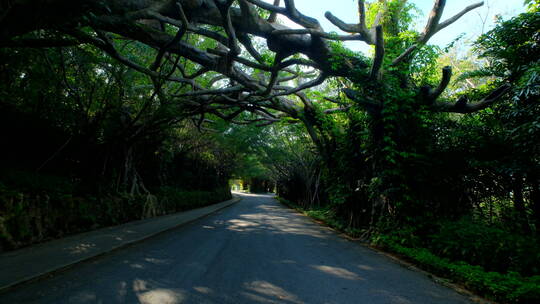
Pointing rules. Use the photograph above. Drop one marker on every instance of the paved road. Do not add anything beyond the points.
(253, 252)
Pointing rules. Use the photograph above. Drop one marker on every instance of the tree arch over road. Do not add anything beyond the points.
(217, 58)
(231, 29)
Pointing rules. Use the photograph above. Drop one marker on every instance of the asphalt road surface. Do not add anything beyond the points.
(255, 251)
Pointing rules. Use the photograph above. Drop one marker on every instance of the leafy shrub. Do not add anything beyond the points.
(175, 199)
(489, 246)
(36, 208)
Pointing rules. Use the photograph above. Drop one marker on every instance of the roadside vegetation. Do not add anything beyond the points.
(473, 256)
(86, 146)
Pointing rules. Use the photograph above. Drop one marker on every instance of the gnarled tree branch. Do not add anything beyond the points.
(462, 106)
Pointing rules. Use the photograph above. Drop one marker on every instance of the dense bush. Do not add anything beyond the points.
(174, 199)
(36, 208)
(490, 246)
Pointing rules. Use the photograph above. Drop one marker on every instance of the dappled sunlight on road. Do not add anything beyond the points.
(338, 272)
(203, 290)
(158, 261)
(160, 296)
(265, 292)
(80, 248)
(365, 267)
(147, 295)
(139, 285)
(265, 223)
(147, 262)
(241, 225)
(272, 218)
(253, 194)
(136, 265)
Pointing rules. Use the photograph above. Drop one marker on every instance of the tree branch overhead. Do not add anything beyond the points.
(232, 27)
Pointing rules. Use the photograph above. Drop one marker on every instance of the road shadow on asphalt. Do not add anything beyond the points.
(254, 252)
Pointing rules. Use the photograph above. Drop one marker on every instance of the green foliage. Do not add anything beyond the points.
(262, 12)
(89, 142)
(425, 68)
(341, 56)
(174, 199)
(268, 58)
(490, 246)
(35, 208)
(36, 182)
(397, 15)
(532, 5)
(511, 47)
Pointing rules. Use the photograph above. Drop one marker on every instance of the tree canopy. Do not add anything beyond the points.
(191, 45)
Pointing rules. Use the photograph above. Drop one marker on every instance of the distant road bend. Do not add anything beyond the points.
(255, 251)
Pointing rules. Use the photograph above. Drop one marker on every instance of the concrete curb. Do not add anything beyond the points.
(25, 256)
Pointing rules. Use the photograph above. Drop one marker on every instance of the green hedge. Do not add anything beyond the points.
(46, 209)
(174, 199)
(489, 245)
